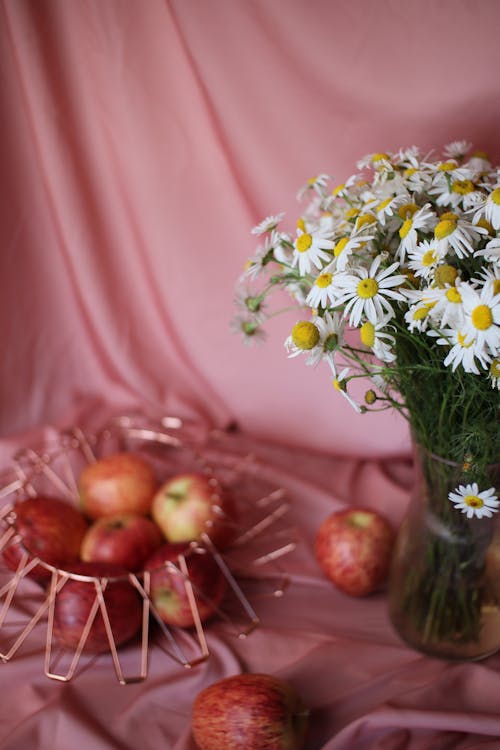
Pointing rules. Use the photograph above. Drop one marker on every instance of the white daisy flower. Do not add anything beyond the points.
(494, 374)
(310, 249)
(491, 252)
(317, 183)
(470, 501)
(456, 192)
(417, 317)
(267, 224)
(377, 161)
(249, 327)
(464, 350)
(423, 220)
(331, 332)
(323, 292)
(365, 292)
(376, 338)
(479, 163)
(443, 171)
(424, 258)
(491, 208)
(453, 233)
(346, 246)
(446, 305)
(255, 264)
(340, 384)
(457, 149)
(482, 315)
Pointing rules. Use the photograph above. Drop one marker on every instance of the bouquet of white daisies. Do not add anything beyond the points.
(395, 275)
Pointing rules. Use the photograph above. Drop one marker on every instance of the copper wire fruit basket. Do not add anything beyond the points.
(250, 565)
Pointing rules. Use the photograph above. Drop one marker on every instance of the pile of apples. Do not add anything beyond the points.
(126, 521)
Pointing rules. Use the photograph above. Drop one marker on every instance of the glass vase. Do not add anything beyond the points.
(444, 586)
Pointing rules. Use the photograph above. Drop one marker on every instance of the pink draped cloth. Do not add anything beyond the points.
(140, 142)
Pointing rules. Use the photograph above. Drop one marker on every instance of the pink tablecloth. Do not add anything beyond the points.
(366, 690)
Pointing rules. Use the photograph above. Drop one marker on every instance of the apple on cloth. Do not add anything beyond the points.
(74, 602)
(249, 712)
(118, 483)
(125, 539)
(189, 504)
(48, 528)
(354, 549)
(170, 587)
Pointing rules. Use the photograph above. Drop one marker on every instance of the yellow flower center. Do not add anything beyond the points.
(486, 225)
(495, 196)
(480, 155)
(421, 312)
(453, 295)
(449, 215)
(305, 335)
(383, 204)
(304, 242)
(340, 246)
(463, 341)
(409, 172)
(367, 333)
(405, 228)
(367, 288)
(473, 501)
(248, 264)
(324, 280)
(311, 181)
(444, 275)
(429, 258)
(495, 368)
(380, 157)
(447, 166)
(462, 187)
(339, 385)
(482, 317)
(351, 213)
(301, 225)
(337, 190)
(407, 210)
(445, 228)
(496, 286)
(362, 221)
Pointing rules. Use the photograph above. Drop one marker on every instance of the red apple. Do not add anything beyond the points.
(187, 505)
(75, 600)
(354, 548)
(126, 540)
(120, 483)
(48, 528)
(169, 592)
(249, 712)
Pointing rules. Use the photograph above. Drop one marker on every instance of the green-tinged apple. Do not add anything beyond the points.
(48, 528)
(170, 585)
(76, 598)
(354, 549)
(189, 504)
(125, 539)
(119, 483)
(249, 712)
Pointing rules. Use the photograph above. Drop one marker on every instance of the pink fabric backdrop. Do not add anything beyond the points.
(139, 143)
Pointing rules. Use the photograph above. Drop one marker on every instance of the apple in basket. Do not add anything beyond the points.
(249, 712)
(186, 505)
(354, 548)
(170, 584)
(48, 528)
(125, 539)
(118, 483)
(74, 602)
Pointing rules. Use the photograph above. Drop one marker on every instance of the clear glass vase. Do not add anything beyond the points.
(444, 586)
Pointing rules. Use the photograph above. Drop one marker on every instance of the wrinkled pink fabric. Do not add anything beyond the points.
(140, 142)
